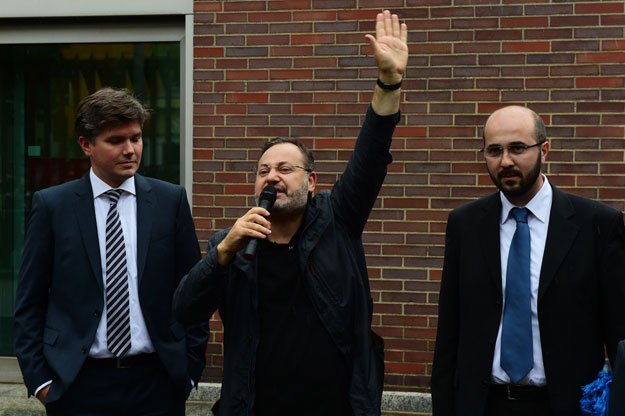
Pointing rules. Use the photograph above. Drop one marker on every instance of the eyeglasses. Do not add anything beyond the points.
(283, 169)
(514, 149)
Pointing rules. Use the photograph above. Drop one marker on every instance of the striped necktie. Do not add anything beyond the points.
(117, 303)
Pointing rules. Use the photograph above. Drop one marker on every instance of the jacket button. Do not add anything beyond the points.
(96, 314)
(83, 350)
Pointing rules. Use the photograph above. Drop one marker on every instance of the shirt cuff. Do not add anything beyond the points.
(47, 383)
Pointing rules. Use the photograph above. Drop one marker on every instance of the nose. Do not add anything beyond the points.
(506, 158)
(128, 148)
(272, 176)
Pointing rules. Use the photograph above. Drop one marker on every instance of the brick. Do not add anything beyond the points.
(615, 20)
(333, 4)
(552, 9)
(599, 82)
(247, 98)
(291, 28)
(524, 21)
(599, 8)
(290, 74)
(548, 33)
(601, 57)
(527, 47)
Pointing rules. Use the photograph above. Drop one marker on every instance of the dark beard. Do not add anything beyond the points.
(298, 200)
(526, 183)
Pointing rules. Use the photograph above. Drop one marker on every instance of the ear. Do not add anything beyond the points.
(85, 145)
(544, 149)
(312, 181)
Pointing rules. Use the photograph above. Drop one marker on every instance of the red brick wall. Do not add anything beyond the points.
(302, 68)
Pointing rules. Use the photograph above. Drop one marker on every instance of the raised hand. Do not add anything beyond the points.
(390, 47)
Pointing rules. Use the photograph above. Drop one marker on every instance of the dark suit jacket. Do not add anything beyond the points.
(617, 390)
(60, 299)
(581, 302)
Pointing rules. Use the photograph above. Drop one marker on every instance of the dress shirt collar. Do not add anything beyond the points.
(99, 186)
(538, 206)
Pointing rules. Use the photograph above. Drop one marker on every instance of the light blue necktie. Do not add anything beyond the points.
(516, 334)
(117, 297)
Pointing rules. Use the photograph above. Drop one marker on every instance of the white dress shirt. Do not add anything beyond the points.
(538, 222)
(127, 208)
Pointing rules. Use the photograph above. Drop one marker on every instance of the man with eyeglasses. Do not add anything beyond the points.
(533, 286)
(297, 317)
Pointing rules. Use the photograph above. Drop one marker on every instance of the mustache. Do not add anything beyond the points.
(508, 172)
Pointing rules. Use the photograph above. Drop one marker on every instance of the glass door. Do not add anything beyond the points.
(40, 87)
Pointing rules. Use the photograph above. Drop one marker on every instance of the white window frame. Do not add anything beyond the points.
(74, 30)
(76, 8)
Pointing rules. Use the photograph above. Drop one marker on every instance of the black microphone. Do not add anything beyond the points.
(265, 200)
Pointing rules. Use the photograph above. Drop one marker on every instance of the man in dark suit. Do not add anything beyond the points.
(617, 389)
(505, 348)
(102, 257)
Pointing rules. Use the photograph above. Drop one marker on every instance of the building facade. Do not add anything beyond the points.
(223, 76)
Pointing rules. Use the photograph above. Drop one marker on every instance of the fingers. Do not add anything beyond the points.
(390, 46)
(253, 224)
(387, 24)
(404, 33)
(380, 25)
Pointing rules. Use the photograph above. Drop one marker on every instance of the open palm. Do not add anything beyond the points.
(390, 47)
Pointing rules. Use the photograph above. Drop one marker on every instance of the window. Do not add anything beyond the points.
(47, 69)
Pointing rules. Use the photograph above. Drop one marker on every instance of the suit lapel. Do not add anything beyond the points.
(145, 216)
(490, 224)
(560, 237)
(85, 213)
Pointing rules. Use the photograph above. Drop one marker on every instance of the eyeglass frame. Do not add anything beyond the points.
(278, 167)
(502, 149)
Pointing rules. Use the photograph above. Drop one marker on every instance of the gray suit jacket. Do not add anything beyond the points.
(60, 299)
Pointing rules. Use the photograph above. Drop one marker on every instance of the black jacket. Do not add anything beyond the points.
(617, 390)
(333, 261)
(581, 312)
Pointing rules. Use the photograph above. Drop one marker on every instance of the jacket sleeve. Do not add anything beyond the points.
(445, 352)
(31, 299)
(200, 292)
(355, 192)
(612, 280)
(188, 254)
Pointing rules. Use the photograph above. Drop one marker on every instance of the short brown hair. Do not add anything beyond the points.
(106, 107)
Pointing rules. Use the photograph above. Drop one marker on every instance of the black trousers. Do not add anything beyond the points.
(141, 388)
(517, 401)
